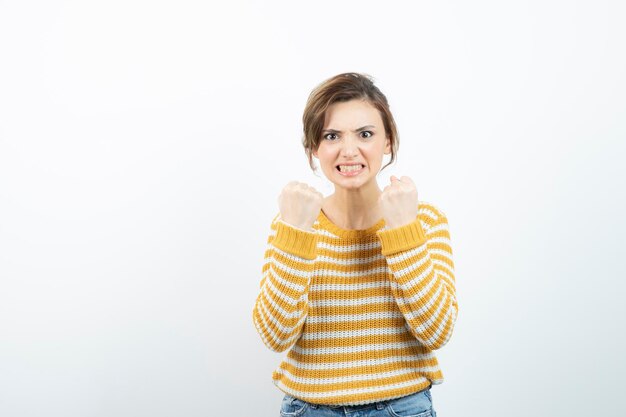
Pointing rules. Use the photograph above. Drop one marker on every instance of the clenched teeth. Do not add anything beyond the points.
(350, 168)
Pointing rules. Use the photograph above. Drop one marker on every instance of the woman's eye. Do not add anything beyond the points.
(329, 134)
(369, 134)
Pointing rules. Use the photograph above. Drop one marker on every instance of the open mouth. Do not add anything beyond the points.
(350, 170)
(346, 169)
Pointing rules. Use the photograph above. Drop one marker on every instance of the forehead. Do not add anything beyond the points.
(353, 113)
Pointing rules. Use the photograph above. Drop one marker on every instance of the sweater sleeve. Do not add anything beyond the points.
(423, 281)
(281, 306)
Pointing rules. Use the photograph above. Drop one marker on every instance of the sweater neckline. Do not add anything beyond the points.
(327, 224)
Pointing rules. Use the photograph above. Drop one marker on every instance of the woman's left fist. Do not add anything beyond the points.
(398, 202)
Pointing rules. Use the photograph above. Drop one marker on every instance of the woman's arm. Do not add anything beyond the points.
(281, 306)
(423, 282)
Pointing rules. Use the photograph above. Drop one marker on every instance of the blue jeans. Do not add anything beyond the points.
(419, 404)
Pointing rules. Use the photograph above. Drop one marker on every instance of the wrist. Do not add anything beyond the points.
(304, 228)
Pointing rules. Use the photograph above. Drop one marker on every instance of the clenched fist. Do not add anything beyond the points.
(300, 204)
(398, 202)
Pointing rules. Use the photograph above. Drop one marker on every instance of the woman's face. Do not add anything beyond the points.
(353, 144)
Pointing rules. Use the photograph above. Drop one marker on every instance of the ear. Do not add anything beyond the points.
(388, 146)
(315, 153)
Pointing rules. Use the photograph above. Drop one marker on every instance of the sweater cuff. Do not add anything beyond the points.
(401, 238)
(295, 241)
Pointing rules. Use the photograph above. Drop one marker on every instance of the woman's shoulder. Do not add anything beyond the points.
(429, 212)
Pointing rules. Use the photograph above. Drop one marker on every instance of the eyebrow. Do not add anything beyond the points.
(357, 130)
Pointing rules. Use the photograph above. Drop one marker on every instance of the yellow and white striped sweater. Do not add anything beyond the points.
(361, 310)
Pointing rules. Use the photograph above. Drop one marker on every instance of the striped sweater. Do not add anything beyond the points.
(361, 311)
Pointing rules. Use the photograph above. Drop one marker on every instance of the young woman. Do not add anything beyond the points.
(359, 285)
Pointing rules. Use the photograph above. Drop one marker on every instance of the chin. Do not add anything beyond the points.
(353, 185)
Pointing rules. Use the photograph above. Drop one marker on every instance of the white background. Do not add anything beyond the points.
(143, 145)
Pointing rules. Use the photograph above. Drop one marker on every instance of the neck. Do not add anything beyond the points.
(354, 209)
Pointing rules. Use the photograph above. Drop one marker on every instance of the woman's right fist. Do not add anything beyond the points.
(300, 204)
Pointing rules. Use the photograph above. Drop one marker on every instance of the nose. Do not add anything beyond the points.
(350, 146)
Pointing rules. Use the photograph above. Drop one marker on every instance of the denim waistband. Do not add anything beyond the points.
(379, 405)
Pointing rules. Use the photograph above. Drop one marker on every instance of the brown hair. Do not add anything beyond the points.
(344, 87)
